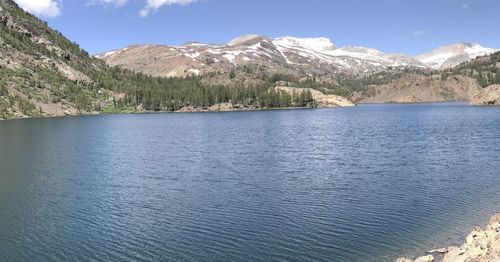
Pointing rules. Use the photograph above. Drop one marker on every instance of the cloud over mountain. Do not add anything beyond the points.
(52, 8)
(48, 8)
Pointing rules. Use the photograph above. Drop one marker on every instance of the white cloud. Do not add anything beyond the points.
(48, 8)
(153, 5)
(117, 3)
(418, 33)
(52, 8)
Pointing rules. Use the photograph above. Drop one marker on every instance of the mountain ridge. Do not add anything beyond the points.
(289, 54)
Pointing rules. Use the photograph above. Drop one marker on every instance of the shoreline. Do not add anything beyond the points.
(418, 103)
(481, 245)
(244, 110)
(173, 112)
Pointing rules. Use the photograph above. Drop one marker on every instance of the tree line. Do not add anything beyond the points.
(171, 94)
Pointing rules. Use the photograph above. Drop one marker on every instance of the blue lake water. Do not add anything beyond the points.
(368, 183)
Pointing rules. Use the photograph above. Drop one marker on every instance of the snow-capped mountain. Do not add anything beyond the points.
(453, 55)
(279, 55)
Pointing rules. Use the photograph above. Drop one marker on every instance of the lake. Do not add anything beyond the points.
(368, 183)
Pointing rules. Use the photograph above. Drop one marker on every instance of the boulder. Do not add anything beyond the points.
(222, 107)
(404, 259)
(439, 250)
(494, 222)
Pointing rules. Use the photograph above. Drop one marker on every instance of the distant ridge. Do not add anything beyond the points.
(290, 55)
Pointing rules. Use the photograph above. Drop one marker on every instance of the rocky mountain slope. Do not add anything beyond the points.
(42, 73)
(413, 88)
(488, 96)
(285, 55)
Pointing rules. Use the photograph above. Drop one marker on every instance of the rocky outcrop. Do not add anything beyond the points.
(481, 245)
(489, 96)
(414, 88)
(323, 100)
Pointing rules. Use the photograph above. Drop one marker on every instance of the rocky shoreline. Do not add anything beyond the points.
(481, 245)
(489, 96)
(228, 107)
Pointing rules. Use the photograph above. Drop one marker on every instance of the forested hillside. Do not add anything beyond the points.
(485, 69)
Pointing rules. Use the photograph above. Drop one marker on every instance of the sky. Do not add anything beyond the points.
(393, 26)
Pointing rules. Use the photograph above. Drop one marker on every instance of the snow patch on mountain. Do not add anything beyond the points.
(321, 44)
(452, 55)
(230, 57)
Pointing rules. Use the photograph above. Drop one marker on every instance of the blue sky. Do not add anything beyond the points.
(395, 26)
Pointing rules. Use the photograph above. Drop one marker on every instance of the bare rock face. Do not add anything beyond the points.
(489, 96)
(417, 88)
(481, 245)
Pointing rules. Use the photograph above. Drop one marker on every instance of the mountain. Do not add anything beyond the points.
(453, 55)
(42, 73)
(285, 55)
